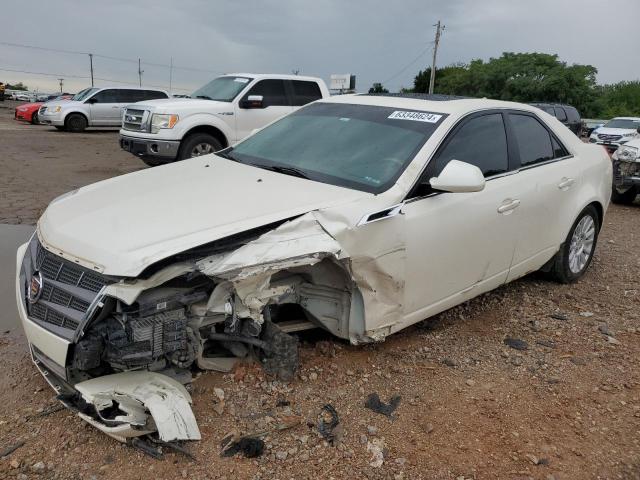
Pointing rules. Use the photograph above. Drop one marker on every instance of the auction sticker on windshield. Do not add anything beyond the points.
(415, 116)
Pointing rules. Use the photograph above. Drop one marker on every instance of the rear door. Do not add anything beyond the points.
(549, 202)
(276, 103)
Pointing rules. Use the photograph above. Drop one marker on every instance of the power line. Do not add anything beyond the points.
(400, 72)
(110, 80)
(107, 57)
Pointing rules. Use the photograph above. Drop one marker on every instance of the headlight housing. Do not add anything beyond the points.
(163, 120)
(629, 134)
(626, 153)
(55, 109)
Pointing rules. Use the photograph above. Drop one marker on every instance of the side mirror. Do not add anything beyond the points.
(252, 101)
(92, 100)
(458, 177)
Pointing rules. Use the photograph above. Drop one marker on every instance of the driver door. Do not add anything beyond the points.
(105, 108)
(275, 104)
(461, 244)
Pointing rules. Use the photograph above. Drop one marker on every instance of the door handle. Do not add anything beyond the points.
(508, 206)
(566, 183)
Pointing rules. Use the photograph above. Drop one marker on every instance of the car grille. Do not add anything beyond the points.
(135, 119)
(609, 138)
(66, 294)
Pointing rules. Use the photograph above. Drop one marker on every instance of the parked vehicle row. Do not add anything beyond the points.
(566, 114)
(29, 111)
(616, 132)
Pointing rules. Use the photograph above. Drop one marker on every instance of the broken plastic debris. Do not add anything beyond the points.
(375, 447)
(250, 447)
(374, 403)
(328, 422)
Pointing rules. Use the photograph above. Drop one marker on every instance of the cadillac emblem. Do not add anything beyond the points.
(35, 287)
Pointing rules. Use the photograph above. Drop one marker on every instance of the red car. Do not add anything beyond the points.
(29, 111)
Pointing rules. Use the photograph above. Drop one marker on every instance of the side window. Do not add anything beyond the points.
(153, 95)
(558, 150)
(572, 114)
(272, 91)
(481, 141)
(560, 114)
(534, 141)
(305, 92)
(106, 96)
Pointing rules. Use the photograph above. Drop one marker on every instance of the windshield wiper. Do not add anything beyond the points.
(293, 171)
(204, 96)
(227, 154)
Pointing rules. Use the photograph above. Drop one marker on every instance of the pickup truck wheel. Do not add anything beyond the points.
(199, 144)
(34, 118)
(76, 123)
(576, 252)
(626, 197)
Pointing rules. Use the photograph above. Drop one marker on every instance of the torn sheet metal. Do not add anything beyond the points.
(134, 394)
(300, 242)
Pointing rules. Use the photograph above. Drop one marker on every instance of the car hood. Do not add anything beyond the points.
(170, 105)
(29, 106)
(122, 225)
(63, 103)
(613, 131)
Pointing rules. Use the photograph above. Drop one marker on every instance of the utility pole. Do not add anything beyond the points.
(91, 64)
(61, 80)
(439, 30)
(140, 72)
(170, 76)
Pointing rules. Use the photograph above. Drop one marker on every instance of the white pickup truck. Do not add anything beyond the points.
(219, 114)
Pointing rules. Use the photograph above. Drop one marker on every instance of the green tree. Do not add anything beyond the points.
(378, 88)
(16, 86)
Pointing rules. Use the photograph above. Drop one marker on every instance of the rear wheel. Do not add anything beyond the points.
(76, 123)
(34, 118)
(199, 144)
(625, 197)
(575, 255)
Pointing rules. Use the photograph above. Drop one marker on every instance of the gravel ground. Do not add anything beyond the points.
(566, 405)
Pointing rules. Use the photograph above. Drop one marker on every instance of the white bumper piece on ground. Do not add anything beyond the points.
(131, 404)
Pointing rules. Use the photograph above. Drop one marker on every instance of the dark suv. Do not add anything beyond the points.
(567, 114)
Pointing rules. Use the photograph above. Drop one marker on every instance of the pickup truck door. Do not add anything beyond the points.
(275, 104)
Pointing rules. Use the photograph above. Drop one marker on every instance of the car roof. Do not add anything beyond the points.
(439, 103)
(278, 76)
(121, 87)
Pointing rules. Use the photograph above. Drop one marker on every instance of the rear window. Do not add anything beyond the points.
(572, 114)
(305, 92)
(534, 141)
(560, 114)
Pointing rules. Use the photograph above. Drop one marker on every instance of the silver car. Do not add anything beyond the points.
(94, 107)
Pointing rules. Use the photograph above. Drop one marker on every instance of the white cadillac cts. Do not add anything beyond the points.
(357, 214)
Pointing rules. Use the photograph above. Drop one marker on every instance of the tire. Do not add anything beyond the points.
(571, 262)
(76, 123)
(202, 142)
(153, 162)
(625, 198)
(34, 118)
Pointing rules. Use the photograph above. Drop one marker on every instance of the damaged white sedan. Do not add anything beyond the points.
(360, 215)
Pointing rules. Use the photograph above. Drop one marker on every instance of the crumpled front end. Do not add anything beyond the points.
(118, 349)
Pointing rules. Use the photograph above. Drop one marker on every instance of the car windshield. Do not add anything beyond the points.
(222, 89)
(82, 94)
(356, 146)
(627, 123)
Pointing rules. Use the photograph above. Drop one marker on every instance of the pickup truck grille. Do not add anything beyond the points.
(66, 293)
(135, 120)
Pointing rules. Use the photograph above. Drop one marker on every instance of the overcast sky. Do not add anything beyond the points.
(375, 40)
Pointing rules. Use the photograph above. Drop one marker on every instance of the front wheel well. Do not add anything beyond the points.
(66, 117)
(215, 132)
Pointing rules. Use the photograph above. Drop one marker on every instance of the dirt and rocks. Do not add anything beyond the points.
(535, 380)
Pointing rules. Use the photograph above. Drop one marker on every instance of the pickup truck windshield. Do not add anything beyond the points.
(82, 94)
(222, 89)
(355, 146)
(623, 123)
